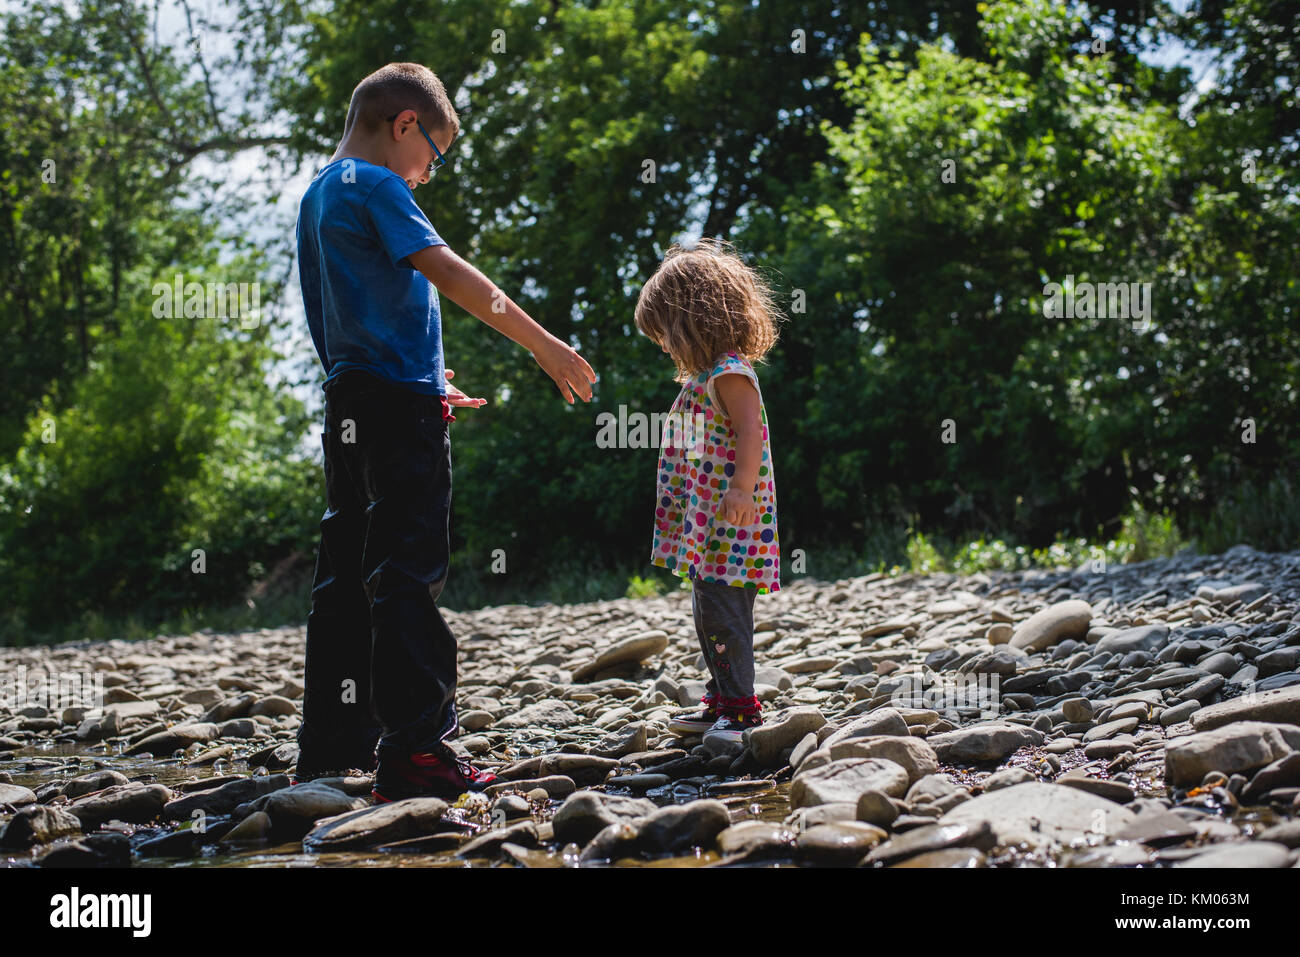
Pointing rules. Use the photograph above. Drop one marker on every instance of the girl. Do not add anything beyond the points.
(715, 515)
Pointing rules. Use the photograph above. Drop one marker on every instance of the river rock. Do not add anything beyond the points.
(542, 714)
(1281, 706)
(983, 743)
(677, 828)
(131, 803)
(584, 814)
(227, 797)
(15, 795)
(933, 837)
(1240, 746)
(629, 650)
(370, 827)
(1056, 623)
(180, 737)
(37, 824)
(838, 843)
(1242, 854)
(1041, 814)
(845, 781)
(785, 730)
(913, 754)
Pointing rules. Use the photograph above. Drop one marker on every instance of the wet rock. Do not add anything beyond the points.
(370, 827)
(628, 739)
(951, 857)
(131, 803)
(227, 797)
(757, 840)
(1242, 854)
(256, 828)
(488, 844)
(933, 837)
(1240, 746)
(15, 795)
(36, 824)
(293, 811)
(584, 814)
(838, 843)
(556, 786)
(180, 737)
(109, 849)
(679, 827)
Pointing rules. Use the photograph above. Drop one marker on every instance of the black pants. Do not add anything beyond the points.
(381, 662)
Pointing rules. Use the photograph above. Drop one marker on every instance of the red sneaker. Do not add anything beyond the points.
(441, 773)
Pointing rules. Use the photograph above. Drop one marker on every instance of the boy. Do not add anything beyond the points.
(380, 660)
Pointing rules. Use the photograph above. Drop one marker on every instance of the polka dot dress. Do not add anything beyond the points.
(695, 466)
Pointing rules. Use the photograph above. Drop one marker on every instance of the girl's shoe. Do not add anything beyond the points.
(726, 731)
(694, 722)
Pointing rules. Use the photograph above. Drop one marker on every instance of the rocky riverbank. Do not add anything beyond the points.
(1141, 715)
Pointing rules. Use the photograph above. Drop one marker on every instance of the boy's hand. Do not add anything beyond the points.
(570, 371)
(737, 508)
(456, 397)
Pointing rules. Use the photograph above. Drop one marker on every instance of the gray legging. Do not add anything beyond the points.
(724, 624)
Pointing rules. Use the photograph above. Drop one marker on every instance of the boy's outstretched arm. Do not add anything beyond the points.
(475, 293)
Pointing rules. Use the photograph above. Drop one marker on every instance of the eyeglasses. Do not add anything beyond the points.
(439, 160)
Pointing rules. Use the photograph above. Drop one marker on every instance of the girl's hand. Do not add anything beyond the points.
(737, 508)
(456, 397)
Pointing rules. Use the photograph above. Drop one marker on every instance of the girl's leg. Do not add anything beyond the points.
(711, 691)
(725, 620)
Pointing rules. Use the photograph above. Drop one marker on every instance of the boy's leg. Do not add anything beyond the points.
(726, 618)
(338, 729)
(403, 456)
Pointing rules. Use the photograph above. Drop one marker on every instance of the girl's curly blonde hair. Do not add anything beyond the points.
(704, 302)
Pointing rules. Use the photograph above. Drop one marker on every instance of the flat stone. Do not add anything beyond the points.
(982, 743)
(1157, 829)
(1112, 790)
(846, 780)
(1280, 706)
(1141, 638)
(1240, 746)
(542, 714)
(838, 843)
(914, 754)
(180, 737)
(677, 828)
(754, 839)
(372, 826)
(879, 721)
(15, 795)
(131, 803)
(1110, 729)
(36, 824)
(933, 837)
(1041, 815)
(948, 857)
(628, 651)
(1242, 854)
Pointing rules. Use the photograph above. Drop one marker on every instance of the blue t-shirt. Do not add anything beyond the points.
(367, 306)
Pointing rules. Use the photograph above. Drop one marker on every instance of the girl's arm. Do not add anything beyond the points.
(740, 401)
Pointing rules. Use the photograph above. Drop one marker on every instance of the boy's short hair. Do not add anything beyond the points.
(401, 86)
